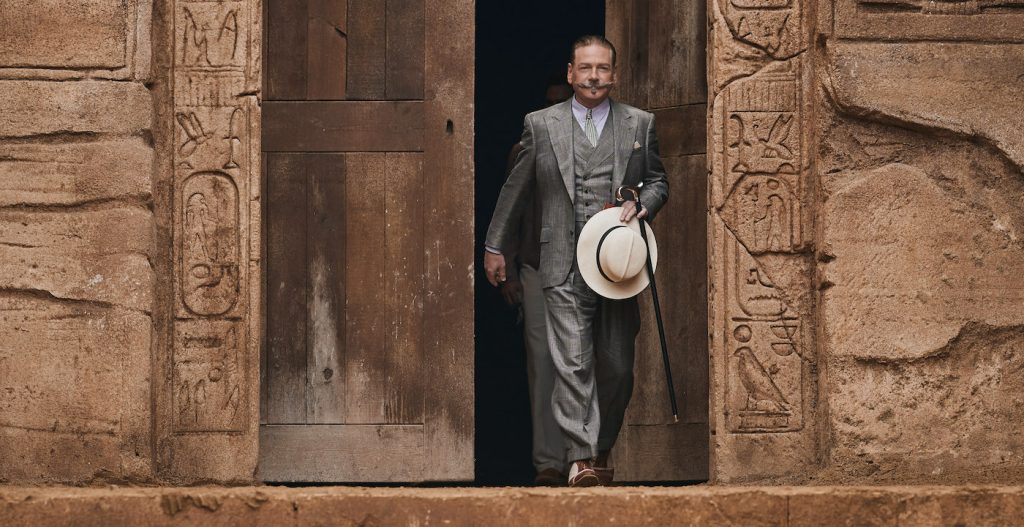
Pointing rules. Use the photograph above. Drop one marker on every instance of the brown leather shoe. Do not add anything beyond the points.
(604, 475)
(581, 474)
(549, 477)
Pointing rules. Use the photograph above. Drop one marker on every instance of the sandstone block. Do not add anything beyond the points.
(968, 89)
(922, 325)
(97, 255)
(64, 33)
(75, 385)
(40, 107)
(72, 173)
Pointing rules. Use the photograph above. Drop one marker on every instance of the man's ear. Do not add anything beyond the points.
(568, 73)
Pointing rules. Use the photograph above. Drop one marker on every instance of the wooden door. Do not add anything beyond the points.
(367, 150)
(661, 68)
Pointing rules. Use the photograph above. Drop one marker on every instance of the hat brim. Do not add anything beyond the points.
(586, 256)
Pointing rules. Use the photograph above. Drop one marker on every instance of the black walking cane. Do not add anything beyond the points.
(657, 304)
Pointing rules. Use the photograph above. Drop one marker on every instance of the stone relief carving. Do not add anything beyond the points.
(761, 173)
(764, 366)
(943, 7)
(988, 20)
(212, 196)
(771, 25)
(763, 155)
(212, 34)
(207, 377)
(209, 252)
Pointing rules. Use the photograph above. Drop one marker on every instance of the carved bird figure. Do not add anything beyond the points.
(762, 393)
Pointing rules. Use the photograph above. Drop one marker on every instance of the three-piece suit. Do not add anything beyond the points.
(591, 338)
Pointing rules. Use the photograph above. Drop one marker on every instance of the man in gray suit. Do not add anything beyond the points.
(575, 154)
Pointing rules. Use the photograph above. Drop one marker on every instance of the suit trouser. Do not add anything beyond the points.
(548, 445)
(592, 344)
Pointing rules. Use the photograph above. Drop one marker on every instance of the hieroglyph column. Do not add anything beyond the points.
(760, 229)
(213, 414)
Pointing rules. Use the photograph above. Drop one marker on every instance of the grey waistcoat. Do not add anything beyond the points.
(593, 167)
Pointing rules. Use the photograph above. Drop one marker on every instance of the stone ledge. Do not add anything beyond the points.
(655, 506)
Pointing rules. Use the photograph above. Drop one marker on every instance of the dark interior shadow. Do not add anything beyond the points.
(519, 46)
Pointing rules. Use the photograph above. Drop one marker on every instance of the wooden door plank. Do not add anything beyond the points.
(682, 130)
(286, 49)
(662, 453)
(367, 30)
(690, 188)
(682, 246)
(626, 27)
(448, 229)
(328, 47)
(350, 453)
(326, 327)
(365, 363)
(403, 286)
(377, 126)
(286, 288)
(404, 76)
(677, 42)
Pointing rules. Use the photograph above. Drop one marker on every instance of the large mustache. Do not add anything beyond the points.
(594, 85)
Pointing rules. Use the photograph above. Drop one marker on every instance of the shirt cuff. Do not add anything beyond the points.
(491, 250)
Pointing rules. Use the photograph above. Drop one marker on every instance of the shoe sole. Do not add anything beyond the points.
(588, 480)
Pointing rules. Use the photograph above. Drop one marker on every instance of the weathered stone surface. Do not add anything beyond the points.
(692, 506)
(923, 327)
(74, 380)
(983, 20)
(920, 258)
(75, 173)
(64, 33)
(968, 89)
(93, 255)
(39, 107)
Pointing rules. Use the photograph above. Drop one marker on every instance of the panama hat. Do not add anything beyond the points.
(611, 255)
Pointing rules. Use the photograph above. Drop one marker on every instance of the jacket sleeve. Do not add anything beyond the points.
(512, 199)
(654, 192)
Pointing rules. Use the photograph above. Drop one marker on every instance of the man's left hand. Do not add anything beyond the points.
(629, 210)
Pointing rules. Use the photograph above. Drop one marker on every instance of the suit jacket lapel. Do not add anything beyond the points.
(560, 123)
(625, 132)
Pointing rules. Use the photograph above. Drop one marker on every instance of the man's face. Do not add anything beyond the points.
(592, 74)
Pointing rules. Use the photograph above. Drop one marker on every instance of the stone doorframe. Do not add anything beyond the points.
(761, 274)
(761, 250)
(206, 390)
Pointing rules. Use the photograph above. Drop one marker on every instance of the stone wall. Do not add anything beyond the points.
(865, 211)
(920, 161)
(76, 240)
(884, 262)
(129, 236)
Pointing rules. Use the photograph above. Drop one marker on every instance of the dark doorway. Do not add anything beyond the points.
(519, 46)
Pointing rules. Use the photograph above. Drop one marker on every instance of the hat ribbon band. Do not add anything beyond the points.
(597, 253)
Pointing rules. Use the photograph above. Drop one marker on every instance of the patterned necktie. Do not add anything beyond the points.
(590, 128)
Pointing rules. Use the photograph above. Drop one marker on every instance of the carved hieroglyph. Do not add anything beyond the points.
(761, 180)
(760, 225)
(215, 191)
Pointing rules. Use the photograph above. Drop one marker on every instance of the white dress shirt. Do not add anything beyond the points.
(599, 115)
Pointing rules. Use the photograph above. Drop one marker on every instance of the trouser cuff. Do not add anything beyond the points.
(577, 453)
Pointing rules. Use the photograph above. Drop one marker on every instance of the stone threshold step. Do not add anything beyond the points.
(904, 506)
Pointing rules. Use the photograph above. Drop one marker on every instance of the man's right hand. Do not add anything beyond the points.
(494, 266)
